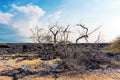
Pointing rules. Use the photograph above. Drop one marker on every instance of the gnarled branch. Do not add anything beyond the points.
(54, 35)
(84, 35)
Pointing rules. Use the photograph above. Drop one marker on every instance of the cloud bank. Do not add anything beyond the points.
(5, 18)
(23, 18)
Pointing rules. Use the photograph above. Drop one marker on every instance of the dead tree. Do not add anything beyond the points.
(64, 39)
(63, 35)
(83, 36)
(54, 35)
(86, 33)
(37, 35)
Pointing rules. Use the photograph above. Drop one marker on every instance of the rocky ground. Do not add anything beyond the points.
(71, 63)
(36, 69)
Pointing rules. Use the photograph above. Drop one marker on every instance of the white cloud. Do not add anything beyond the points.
(23, 18)
(5, 18)
(26, 17)
(55, 16)
(51, 19)
(29, 10)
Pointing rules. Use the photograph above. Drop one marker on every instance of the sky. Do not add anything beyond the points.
(17, 17)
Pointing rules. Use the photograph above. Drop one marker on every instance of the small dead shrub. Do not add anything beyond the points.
(115, 44)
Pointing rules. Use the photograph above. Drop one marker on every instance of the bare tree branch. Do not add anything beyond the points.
(84, 35)
(86, 32)
(94, 30)
(54, 35)
(36, 36)
(98, 40)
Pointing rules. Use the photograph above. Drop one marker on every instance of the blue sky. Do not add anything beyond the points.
(17, 17)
